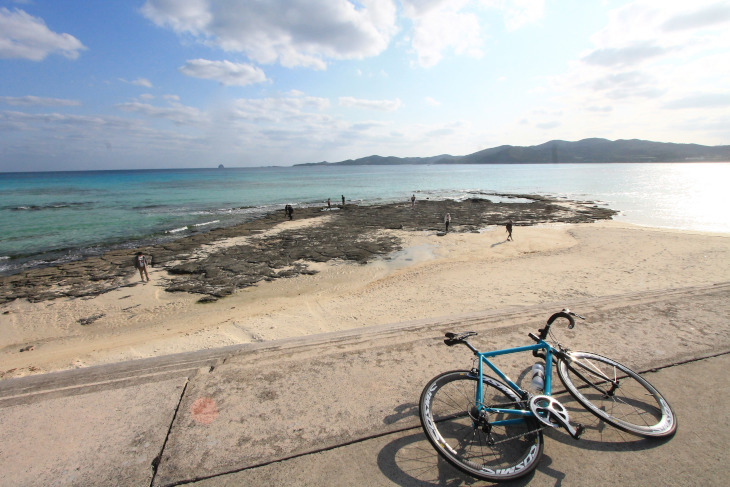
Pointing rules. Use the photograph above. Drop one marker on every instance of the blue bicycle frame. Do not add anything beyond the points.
(483, 358)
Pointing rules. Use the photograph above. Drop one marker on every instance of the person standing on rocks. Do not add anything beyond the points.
(289, 211)
(413, 201)
(447, 220)
(509, 231)
(343, 200)
(329, 203)
(140, 262)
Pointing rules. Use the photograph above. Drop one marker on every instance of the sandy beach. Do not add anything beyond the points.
(432, 276)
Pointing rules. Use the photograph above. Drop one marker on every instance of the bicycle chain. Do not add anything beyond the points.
(521, 434)
(517, 436)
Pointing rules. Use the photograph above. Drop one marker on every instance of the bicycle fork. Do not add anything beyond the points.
(615, 382)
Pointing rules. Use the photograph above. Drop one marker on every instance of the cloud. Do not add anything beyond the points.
(548, 125)
(441, 132)
(225, 72)
(289, 32)
(142, 82)
(30, 100)
(432, 102)
(311, 33)
(600, 109)
(626, 84)
(175, 112)
(191, 16)
(23, 36)
(62, 122)
(282, 130)
(380, 105)
(518, 13)
(651, 57)
(39, 139)
(550, 113)
(367, 126)
(138, 82)
(275, 110)
(704, 101)
(704, 17)
(625, 55)
(441, 25)
(662, 23)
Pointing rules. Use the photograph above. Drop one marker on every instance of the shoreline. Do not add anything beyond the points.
(58, 257)
(352, 236)
(429, 275)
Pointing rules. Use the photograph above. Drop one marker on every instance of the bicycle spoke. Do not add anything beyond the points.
(616, 394)
(469, 440)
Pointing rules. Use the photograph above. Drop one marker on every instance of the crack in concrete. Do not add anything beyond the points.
(156, 461)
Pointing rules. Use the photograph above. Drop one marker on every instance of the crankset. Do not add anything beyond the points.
(550, 412)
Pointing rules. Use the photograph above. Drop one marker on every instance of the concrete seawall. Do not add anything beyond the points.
(342, 408)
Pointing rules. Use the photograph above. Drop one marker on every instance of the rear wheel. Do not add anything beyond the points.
(617, 395)
(480, 446)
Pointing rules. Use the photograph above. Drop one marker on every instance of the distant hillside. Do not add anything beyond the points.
(560, 151)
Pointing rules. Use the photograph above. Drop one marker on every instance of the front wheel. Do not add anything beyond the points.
(617, 395)
(489, 446)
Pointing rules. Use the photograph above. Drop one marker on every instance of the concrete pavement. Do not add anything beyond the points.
(696, 456)
(341, 408)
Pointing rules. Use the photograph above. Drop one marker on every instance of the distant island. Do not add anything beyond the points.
(560, 151)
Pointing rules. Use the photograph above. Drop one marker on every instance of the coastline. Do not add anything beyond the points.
(352, 235)
(426, 274)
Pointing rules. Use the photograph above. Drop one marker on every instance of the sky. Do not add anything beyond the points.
(125, 84)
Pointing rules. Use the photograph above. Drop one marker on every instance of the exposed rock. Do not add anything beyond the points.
(354, 234)
(90, 319)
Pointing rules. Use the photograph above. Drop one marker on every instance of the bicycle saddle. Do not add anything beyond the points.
(454, 338)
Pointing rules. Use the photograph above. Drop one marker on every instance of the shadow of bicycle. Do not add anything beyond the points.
(409, 460)
(598, 435)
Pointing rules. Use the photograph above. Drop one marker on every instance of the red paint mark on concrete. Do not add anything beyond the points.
(204, 410)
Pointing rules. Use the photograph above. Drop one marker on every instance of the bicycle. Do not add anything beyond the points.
(492, 428)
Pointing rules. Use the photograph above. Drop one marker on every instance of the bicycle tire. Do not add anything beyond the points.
(634, 405)
(444, 410)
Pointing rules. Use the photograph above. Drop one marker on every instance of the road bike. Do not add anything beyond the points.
(492, 429)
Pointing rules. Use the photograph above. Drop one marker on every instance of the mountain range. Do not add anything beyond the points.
(560, 151)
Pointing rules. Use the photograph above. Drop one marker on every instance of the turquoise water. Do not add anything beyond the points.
(48, 218)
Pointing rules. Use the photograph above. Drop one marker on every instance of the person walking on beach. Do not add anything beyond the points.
(509, 231)
(447, 220)
(329, 203)
(413, 201)
(343, 200)
(289, 211)
(140, 262)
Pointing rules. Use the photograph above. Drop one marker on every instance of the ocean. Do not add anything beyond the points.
(53, 217)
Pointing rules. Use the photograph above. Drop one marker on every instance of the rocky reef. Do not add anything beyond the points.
(354, 233)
